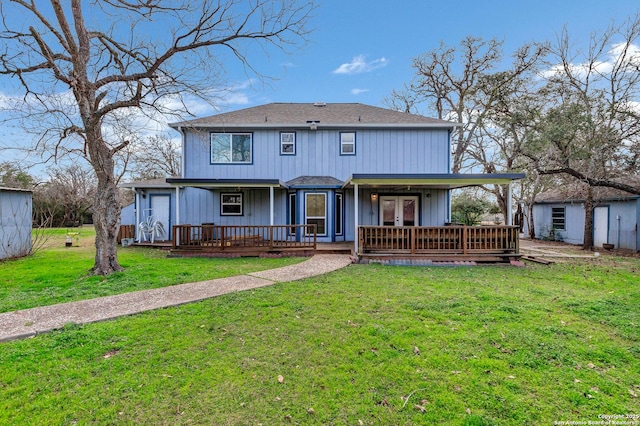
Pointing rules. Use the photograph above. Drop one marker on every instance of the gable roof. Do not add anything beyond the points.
(577, 192)
(315, 182)
(284, 115)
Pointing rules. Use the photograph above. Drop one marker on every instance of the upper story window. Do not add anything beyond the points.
(231, 148)
(347, 143)
(558, 218)
(288, 143)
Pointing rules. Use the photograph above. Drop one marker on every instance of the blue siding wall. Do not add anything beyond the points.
(203, 206)
(623, 220)
(623, 232)
(318, 154)
(128, 214)
(15, 223)
(574, 222)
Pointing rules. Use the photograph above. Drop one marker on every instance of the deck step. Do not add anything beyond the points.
(418, 262)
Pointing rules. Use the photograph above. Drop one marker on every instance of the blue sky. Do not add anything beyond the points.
(361, 50)
(376, 41)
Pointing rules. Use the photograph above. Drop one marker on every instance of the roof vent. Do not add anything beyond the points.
(319, 104)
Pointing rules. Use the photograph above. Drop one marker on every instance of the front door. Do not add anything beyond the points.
(399, 210)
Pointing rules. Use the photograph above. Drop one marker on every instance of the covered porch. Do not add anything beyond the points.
(405, 222)
(376, 215)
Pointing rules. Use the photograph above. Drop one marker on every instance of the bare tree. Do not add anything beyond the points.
(589, 125)
(81, 71)
(157, 156)
(464, 84)
(66, 198)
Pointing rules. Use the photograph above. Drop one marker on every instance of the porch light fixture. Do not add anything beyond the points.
(374, 196)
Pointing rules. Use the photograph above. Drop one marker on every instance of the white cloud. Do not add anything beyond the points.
(621, 53)
(358, 91)
(360, 65)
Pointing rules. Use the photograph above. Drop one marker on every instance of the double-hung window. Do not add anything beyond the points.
(347, 143)
(288, 143)
(231, 204)
(231, 148)
(558, 218)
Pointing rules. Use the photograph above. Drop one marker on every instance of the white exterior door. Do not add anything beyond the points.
(398, 210)
(160, 210)
(600, 226)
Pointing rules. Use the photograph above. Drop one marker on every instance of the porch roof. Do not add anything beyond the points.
(434, 180)
(227, 183)
(315, 182)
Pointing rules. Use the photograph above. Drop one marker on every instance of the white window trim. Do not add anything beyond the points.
(223, 204)
(343, 143)
(282, 143)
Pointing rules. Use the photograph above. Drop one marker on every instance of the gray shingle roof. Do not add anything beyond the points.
(577, 191)
(302, 114)
(315, 181)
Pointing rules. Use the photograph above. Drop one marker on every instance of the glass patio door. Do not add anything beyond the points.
(399, 210)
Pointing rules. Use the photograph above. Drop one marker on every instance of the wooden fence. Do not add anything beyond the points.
(126, 231)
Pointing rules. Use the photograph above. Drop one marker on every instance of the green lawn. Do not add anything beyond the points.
(364, 345)
(57, 274)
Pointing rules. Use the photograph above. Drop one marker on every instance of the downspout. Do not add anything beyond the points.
(183, 157)
(618, 219)
(137, 205)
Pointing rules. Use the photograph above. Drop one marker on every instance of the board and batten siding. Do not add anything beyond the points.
(623, 220)
(417, 151)
(203, 206)
(15, 223)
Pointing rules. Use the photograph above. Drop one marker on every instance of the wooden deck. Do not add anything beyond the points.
(436, 243)
(234, 241)
(473, 243)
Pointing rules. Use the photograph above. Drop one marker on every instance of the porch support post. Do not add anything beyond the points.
(177, 205)
(509, 218)
(271, 206)
(135, 227)
(355, 218)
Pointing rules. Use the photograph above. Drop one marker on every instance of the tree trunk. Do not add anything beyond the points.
(532, 228)
(106, 207)
(106, 221)
(588, 220)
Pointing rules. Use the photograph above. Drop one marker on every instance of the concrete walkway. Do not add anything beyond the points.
(30, 322)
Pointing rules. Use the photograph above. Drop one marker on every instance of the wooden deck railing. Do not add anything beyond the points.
(439, 239)
(229, 238)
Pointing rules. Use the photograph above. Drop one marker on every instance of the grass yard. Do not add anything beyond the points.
(57, 274)
(365, 345)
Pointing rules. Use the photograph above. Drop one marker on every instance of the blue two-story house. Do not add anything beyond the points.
(343, 167)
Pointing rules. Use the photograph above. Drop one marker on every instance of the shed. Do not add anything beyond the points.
(559, 214)
(15, 222)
